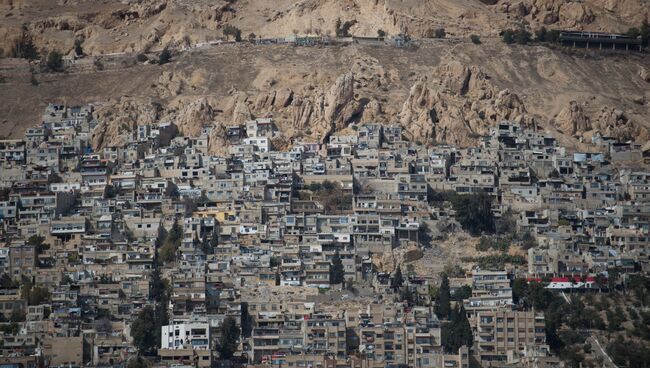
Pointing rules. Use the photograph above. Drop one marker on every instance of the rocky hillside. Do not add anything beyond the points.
(440, 92)
(444, 91)
(111, 26)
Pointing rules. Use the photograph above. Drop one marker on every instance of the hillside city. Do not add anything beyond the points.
(361, 250)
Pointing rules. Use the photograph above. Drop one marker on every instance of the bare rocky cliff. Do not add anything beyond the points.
(138, 25)
(454, 101)
(444, 91)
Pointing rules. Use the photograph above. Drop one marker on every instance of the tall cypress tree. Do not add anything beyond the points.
(457, 332)
(398, 279)
(337, 273)
(463, 328)
(443, 299)
(230, 333)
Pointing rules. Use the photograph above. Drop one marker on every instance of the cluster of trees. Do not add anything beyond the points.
(332, 196)
(473, 211)
(34, 295)
(523, 37)
(232, 31)
(496, 261)
(643, 31)
(23, 47)
(456, 331)
(564, 319)
(343, 28)
(37, 242)
(629, 353)
(520, 36)
(486, 243)
(544, 35)
(462, 293)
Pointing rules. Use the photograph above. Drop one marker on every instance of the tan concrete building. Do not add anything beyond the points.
(499, 333)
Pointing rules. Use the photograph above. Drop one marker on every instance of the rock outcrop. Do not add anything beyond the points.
(572, 119)
(118, 118)
(577, 120)
(192, 117)
(340, 105)
(615, 123)
(457, 105)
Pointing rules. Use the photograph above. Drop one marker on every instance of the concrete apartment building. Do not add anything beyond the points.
(502, 333)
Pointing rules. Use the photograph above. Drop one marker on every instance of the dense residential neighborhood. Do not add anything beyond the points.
(326, 253)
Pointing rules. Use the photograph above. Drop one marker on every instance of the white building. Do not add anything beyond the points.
(186, 335)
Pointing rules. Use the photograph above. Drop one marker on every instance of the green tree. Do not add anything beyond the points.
(474, 212)
(160, 239)
(406, 294)
(54, 62)
(475, 39)
(145, 332)
(633, 32)
(37, 241)
(157, 285)
(78, 49)
(23, 47)
(165, 56)
(172, 243)
(34, 295)
(6, 282)
(229, 338)
(274, 262)
(508, 36)
(38, 295)
(457, 332)
(381, 33)
(17, 315)
(463, 328)
(246, 320)
(398, 278)
(337, 272)
(343, 29)
(443, 299)
(522, 36)
(464, 292)
(645, 32)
